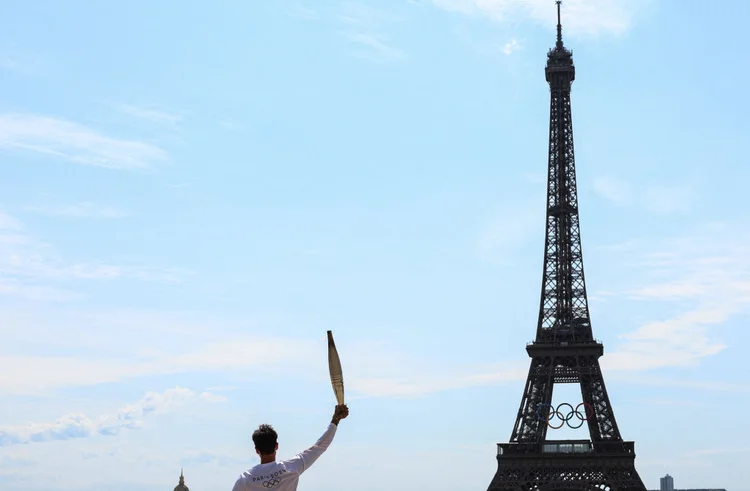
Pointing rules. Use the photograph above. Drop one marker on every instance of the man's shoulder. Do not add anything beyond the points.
(266, 475)
(263, 472)
(259, 469)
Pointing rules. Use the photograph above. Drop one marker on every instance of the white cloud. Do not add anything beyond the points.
(23, 257)
(416, 386)
(149, 114)
(40, 374)
(717, 451)
(22, 63)
(79, 425)
(710, 272)
(300, 11)
(84, 209)
(7, 222)
(511, 229)
(364, 27)
(681, 341)
(195, 459)
(615, 190)
(586, 17)
(10, 62)
(230, 124)
(184, 344)
(385, 369)
(211, 397)
(511, 46)
(657, 198)
(376, 47)
(359, 14)
(88, 464)
(74, 142)
(689, 384)
(668, 198)
(190, 345)
(17, 288)
(35, 264)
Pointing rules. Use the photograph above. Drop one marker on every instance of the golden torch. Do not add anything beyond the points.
(334, 368)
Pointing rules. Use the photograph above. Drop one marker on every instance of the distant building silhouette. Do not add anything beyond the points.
(181, 486)
(695, 489)
(666, 483)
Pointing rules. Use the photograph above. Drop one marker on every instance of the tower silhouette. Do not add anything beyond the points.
(565, 350)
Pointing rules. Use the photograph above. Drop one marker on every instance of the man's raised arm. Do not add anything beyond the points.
(305, 459)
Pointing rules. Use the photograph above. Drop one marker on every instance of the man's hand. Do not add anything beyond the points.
(339, 413)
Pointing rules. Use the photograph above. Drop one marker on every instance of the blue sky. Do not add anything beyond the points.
(191, 195)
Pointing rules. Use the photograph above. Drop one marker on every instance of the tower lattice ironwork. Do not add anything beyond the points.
(565, 350)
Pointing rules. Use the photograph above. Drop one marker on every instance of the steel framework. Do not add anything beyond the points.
(565, 350)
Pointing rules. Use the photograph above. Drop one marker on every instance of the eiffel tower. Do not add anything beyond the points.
(565, 350)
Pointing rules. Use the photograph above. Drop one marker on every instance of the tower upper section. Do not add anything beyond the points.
(560, 71)
(563, 312)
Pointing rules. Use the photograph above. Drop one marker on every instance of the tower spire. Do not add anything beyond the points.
(181, 486)
(559, 25)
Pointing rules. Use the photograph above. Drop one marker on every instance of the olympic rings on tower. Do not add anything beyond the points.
(553, 413)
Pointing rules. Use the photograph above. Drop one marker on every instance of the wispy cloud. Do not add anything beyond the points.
(130, 345)
(384, 369)
(717, 451)
(614, 190)
(21, 63)
(39, 374)
(679, 341)
(512, 226)
(11, 62)
(376, 47)
(710, 273)
(366, 27)
(84, 209)
(230, 124)
(26, 261)
(7, 222)
(587, 17)
(17, 288)
(408, 387)
(196, 459)
(300, 11)
(186, 344)
(664, 401)
(657, 198)
(691, 385)
(34, 261)
(12, 240)
(76, 143)
(211, 397)
(511, 46)
(79, 425)
(151, 115)
(668, 198)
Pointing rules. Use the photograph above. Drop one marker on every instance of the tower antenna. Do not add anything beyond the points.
(559, 25)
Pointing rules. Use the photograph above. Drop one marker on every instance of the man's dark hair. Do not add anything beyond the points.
(265, 439)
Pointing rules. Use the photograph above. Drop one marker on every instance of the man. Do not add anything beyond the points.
(284, 475)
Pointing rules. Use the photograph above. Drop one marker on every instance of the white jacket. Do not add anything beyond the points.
(284, 475)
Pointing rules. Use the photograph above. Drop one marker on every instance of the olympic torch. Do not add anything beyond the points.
(334, 368)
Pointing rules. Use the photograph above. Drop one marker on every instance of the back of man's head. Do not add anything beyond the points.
(265, 438)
